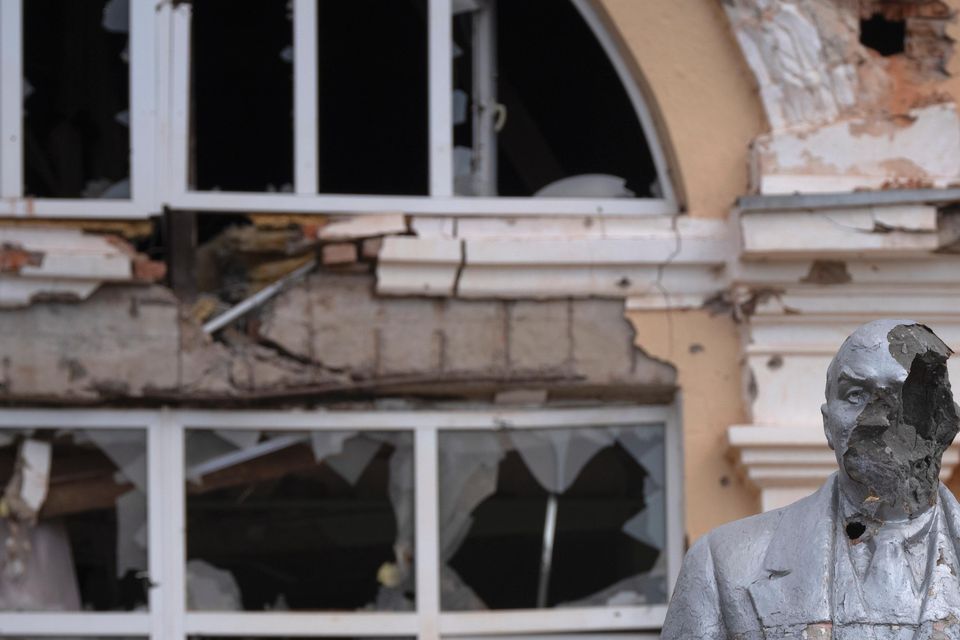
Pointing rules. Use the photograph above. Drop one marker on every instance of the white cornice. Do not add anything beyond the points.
(787, 462)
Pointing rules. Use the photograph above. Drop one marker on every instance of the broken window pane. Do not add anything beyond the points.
(242, 90)
(74, 535)
(372, 78)
(552, 517)
(76, 98)
(317, 520)
(561, 121)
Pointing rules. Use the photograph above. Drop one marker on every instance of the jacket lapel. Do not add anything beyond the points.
(943, 586)
(794, 585)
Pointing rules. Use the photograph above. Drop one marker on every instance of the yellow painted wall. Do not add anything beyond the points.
(701, 89)
(705, 99)
(705, 349)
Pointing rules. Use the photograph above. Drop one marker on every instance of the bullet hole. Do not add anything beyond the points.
(855, 530)
(724, 481)
(886, 37)
(696, 347)
(775, 362)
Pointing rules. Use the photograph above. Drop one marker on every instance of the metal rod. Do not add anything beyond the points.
(257, 299)
(546, 559)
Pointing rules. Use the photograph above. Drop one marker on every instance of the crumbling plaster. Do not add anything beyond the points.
(842, 116)
(705, 350)
(326, 338)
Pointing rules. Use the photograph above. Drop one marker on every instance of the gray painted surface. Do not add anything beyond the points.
(872, 554)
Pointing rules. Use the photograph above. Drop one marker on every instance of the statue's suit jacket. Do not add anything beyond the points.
(770, 576)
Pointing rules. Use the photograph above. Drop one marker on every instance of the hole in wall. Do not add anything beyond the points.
(886, 37)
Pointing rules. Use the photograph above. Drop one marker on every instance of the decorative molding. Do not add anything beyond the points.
(789, 462)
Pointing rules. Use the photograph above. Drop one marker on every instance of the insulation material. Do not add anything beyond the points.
(211, 589)
(45, 579)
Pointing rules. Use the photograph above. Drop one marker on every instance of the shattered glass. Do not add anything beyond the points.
(299, 520)
(552, 517)
(76, 99)
(74, 520)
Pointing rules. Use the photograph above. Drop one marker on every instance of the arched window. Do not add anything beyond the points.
(421, 106)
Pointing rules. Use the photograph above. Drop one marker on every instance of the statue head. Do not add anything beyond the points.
(889, 415)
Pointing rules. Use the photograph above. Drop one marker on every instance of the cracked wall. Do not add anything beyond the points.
(858, 94)
(704, 347)
(326, 338)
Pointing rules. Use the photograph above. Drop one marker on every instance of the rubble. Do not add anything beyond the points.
(65, 263)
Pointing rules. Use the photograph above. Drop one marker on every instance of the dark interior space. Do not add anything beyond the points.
(76, 100)
(373, 97)
(500, 557)
(242, 91)
(886, 37)
(292, 530)
(568, 113)
(83, 488)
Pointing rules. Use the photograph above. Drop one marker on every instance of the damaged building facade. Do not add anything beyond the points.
(439, 318)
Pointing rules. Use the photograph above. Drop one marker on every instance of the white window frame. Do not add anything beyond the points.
(160, 128)
(168, 618)
(144, 147)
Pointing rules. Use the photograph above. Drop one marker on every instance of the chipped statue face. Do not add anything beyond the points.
(890, 415)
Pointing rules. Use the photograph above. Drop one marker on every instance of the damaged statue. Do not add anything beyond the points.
(874, 552)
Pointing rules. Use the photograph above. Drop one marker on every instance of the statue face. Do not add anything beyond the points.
(890, 414)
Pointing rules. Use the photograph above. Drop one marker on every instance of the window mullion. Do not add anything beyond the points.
(305, 105)
(143, 103)
(427, 556)
(168, 527)
(440, 56)
(484, 102)
(11, 99)
(180, 100)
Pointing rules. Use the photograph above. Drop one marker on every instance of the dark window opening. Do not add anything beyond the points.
(886, 37)
(275, 523)
(86, 547)
(242, 95)
(570, 128)
(596, 558)
(76, 99)
(372, 85)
